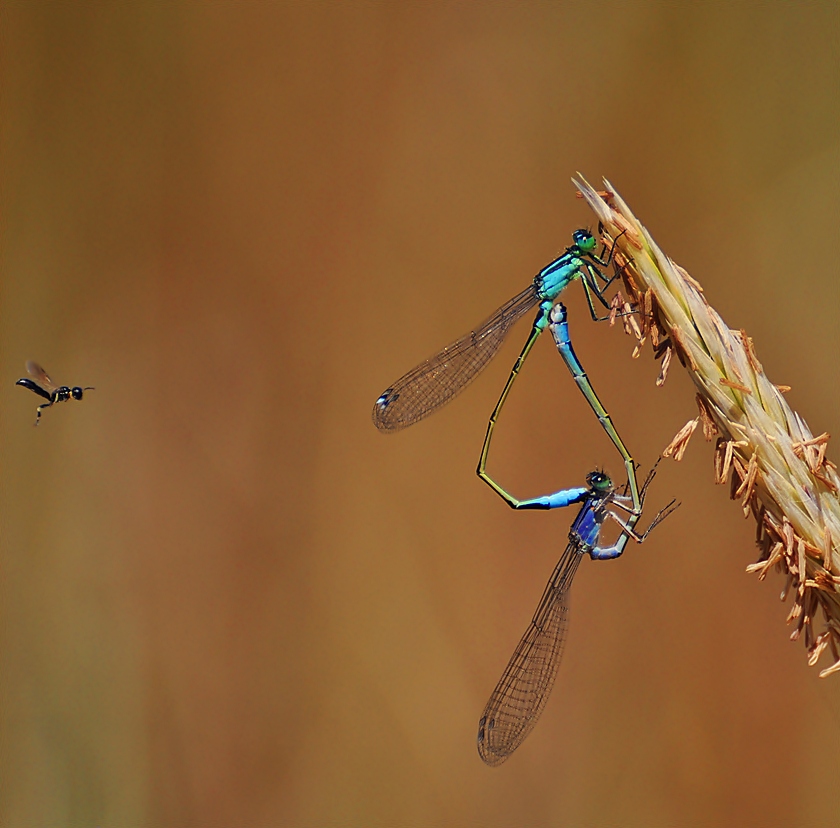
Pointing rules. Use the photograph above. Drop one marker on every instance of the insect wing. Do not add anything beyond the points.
(522, 692)
(436, 381)
(40, 376)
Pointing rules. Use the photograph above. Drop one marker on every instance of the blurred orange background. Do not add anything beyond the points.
(226, 599)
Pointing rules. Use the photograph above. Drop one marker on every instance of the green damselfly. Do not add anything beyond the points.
(438, 379)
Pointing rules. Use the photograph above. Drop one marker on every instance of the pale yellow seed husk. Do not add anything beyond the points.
(784, 478)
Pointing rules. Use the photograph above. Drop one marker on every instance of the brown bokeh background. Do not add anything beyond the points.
(226, 599)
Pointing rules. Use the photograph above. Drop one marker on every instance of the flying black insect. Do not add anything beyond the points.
(44, 387)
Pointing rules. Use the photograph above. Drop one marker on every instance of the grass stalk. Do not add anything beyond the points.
(777, 469)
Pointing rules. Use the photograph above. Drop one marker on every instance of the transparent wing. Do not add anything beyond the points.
(436, 381)
(522, 691)
(40, 376)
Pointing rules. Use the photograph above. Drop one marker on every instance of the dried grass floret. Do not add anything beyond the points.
(779, 470)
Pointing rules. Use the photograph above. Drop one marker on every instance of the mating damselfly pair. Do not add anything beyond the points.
(521, 693)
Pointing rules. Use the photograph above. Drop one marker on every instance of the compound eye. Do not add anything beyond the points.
(598, 480)
(585, 240)
(77, 393)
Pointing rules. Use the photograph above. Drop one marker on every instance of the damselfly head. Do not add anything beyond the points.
(598, 481)
(584, 241)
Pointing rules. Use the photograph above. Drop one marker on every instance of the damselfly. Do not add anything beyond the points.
(434, 382)
(520, 696)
